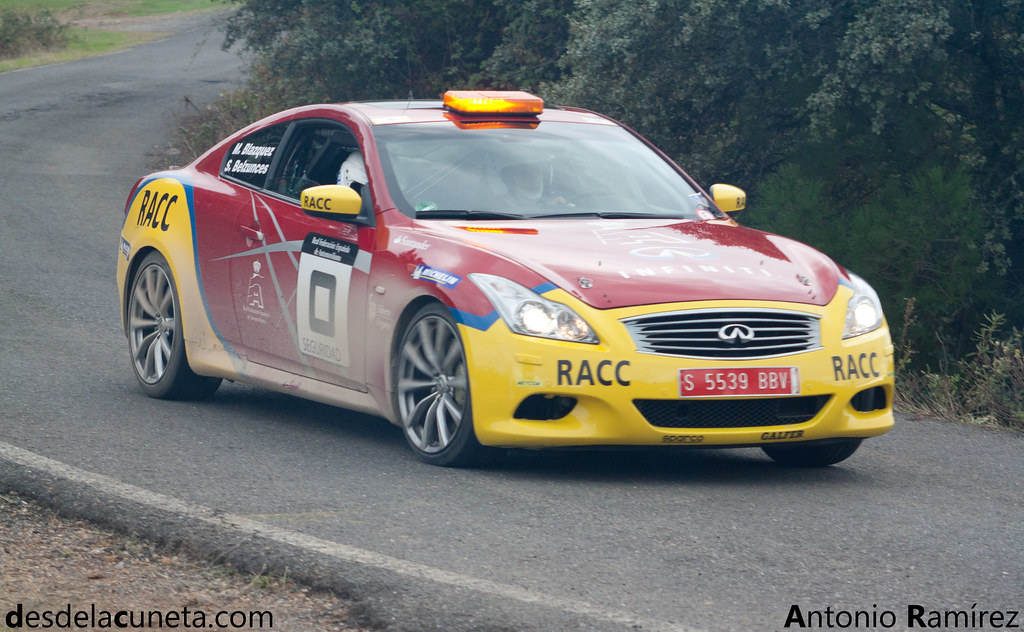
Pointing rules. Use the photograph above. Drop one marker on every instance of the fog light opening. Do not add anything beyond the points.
(870, 400)
(545, 407)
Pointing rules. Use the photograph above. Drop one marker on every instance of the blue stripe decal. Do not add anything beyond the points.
(186, 183)
(483, 323)
(189, 193)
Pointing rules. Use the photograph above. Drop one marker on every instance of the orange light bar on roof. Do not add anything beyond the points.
(462, 123)
(493, 102)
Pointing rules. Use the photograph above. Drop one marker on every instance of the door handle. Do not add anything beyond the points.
(252, 233)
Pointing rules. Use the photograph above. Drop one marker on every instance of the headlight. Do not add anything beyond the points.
(528, 313)
(864, 311)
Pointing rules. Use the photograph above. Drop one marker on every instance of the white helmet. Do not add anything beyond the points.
(352, 170)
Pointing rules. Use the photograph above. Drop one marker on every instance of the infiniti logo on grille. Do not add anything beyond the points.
(736, 333)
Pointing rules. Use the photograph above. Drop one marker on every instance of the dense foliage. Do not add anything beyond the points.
(351, 49)
(889, 134)
(22, 33)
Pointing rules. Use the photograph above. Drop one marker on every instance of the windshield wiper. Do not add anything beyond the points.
(606, 215)
(437, 213)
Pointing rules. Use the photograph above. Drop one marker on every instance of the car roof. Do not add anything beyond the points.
(422, 111)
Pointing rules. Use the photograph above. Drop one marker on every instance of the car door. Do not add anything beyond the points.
(300, 289)
(219, 201)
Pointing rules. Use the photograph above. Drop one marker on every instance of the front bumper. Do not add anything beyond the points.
(532, 392)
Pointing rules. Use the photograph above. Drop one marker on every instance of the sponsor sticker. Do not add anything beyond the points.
(325, 273)
(330, 248)
(434, 275)
(409, 242)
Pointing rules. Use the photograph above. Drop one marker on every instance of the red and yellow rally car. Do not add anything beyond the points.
(485, 271)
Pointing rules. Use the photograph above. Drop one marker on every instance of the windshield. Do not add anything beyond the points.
(554, 170)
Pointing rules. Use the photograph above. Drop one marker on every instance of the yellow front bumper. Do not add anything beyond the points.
(845, 391)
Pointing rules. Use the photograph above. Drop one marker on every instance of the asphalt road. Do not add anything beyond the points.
(930, 515)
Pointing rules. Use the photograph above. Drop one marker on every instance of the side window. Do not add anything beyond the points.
(314, 157)
(249, 159)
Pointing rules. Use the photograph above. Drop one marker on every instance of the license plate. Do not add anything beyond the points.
(734, 382)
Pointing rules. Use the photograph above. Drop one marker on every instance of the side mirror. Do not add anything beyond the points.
(729, 199)
(332, 200)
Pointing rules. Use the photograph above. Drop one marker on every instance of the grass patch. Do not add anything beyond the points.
(61, 36)
(82, 43)
(76, 9)
(22, 33)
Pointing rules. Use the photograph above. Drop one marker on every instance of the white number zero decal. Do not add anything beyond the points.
(322, 308)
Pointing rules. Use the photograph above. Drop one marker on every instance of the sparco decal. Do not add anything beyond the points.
(682, 439)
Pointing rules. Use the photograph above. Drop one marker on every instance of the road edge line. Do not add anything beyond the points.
(58, 489)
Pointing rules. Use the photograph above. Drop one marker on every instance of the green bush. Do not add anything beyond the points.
(917, 237)
(213, 122)
(986, 387)
(351, 50)
(23, 33)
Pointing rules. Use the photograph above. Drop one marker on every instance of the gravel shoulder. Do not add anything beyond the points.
(50, 563)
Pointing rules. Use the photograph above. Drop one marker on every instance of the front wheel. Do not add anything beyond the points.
(819, 455)
(155, 338)
(433, 391)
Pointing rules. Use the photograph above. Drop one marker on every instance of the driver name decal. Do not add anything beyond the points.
(248, 153)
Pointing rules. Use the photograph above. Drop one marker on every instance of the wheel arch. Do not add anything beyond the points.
(410, 310)
(129, 278)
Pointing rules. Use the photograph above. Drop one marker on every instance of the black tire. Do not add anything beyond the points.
(155, 340)
(432, 391)
(814, 455)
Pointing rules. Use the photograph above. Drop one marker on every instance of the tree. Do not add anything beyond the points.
(331, 50)
(720, 84)
(887, 133)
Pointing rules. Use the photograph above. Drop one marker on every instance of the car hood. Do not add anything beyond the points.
(620, 263)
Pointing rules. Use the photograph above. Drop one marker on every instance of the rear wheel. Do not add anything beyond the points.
(433, 392)
(818, 455)
(155, 338)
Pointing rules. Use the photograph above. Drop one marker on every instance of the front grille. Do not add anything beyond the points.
(730, 413)
(725, 334)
